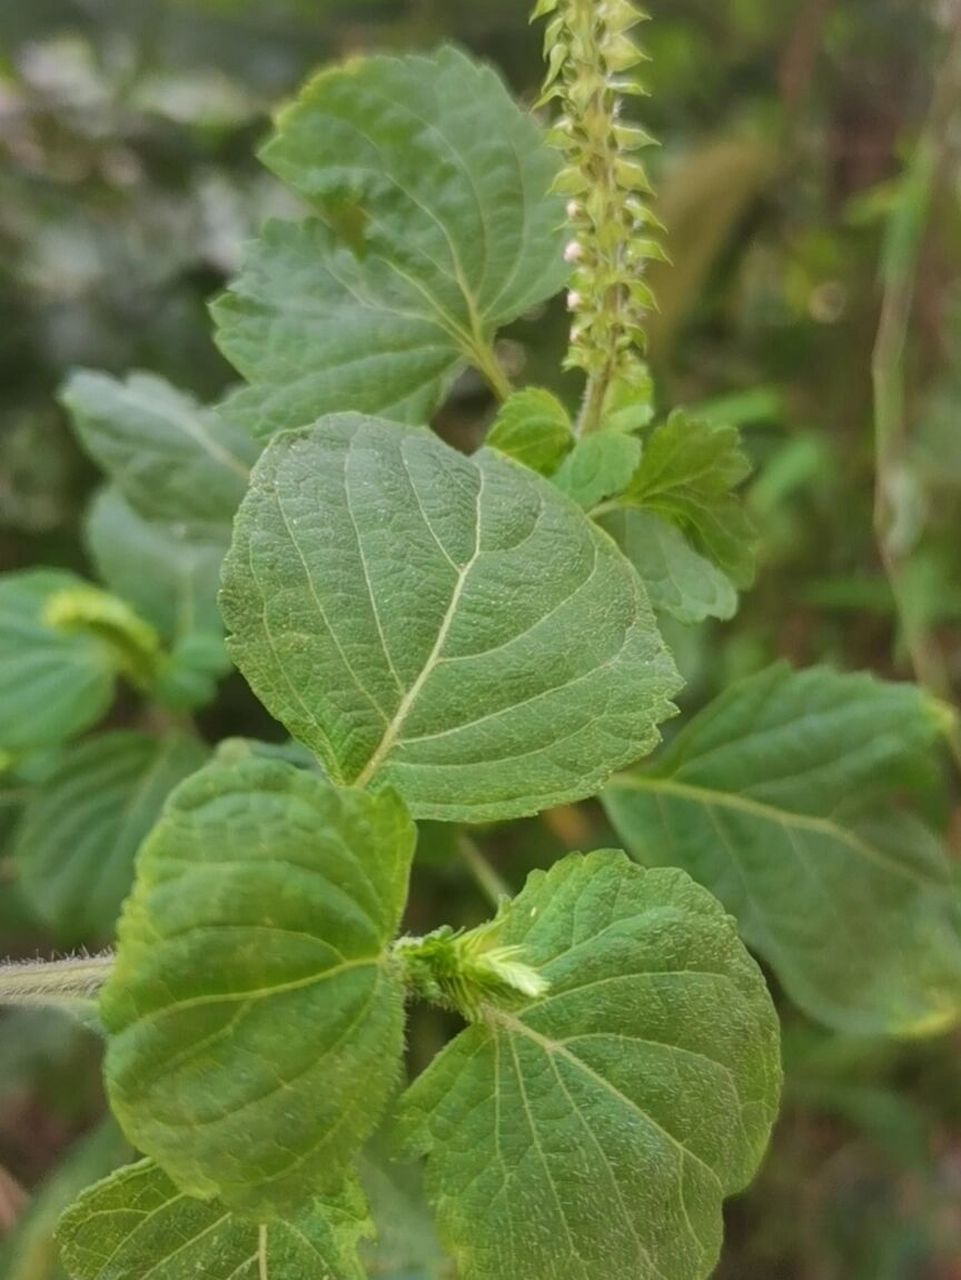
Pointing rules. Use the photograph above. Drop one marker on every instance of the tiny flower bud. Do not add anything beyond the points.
(573, 252)
(573, 208)
(574, 300)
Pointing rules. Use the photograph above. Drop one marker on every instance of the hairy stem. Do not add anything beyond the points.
(71, 984)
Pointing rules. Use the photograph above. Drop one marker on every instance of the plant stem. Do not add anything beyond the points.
(486, 362)
(902, 250)
(68, 984)
(491, 884)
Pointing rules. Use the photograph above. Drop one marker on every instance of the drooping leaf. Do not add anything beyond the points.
(678, 580)
(138, 1223)
(75, 846)
(168, 572)
(30, 1252)
(254, 1020)
(170, 459)
(53, 683)
(774, 798)
(599, 466)
(534, 428)
(438, 230)
(688, 475)
(594, 1132)
(452, 626)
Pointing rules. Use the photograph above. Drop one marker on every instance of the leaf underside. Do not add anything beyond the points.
(595, 1131)
(137, 1223)
(452, 626)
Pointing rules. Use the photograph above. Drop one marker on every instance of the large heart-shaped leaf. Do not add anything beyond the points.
(137, 1223)
(594, 1132)
(76, 842)
(774, 798)
(453, 626)
(254, 1019)
(438, 230)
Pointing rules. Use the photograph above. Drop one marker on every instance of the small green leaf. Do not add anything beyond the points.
(678, 580)
(775, 798)
(688, 475)
(254, 1020)
(171, 459)
(168, 572)
(534, 428)
(599, 466)
(595, 1131)
(438, 229)
(76, 843)
(452, 626)
(137, 1223)
(53, 683)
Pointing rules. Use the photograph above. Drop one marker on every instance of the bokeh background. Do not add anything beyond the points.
(788, 179)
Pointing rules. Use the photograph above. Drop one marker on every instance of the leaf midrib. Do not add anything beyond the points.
(787, 818)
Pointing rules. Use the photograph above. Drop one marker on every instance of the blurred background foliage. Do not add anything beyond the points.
(128, 184)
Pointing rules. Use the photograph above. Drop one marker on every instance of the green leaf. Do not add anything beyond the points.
(677, 579)
(53, 683)
(534, 428)
(452, 626)
(167, 571)
(599, 466)
(30, 1251)
(255, 1023)
(137, 1223)
(438, 230)
(171, 459)
(688, 475)
(774, 797)
(76, 843)
(594, 1132)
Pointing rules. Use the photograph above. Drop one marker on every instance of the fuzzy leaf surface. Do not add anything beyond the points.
(534, 428)
(138, 1223)
(83, 825)
(678, 579)
(171, 459)
(775, 798)
(452, 626)
(688, 475)
(255, 1023)
(595, 1131)
(53, 683)
(437, 228)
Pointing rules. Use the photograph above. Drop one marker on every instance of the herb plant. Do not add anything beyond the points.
(454, 640)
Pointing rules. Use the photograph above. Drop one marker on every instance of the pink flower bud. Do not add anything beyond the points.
(573, 252)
